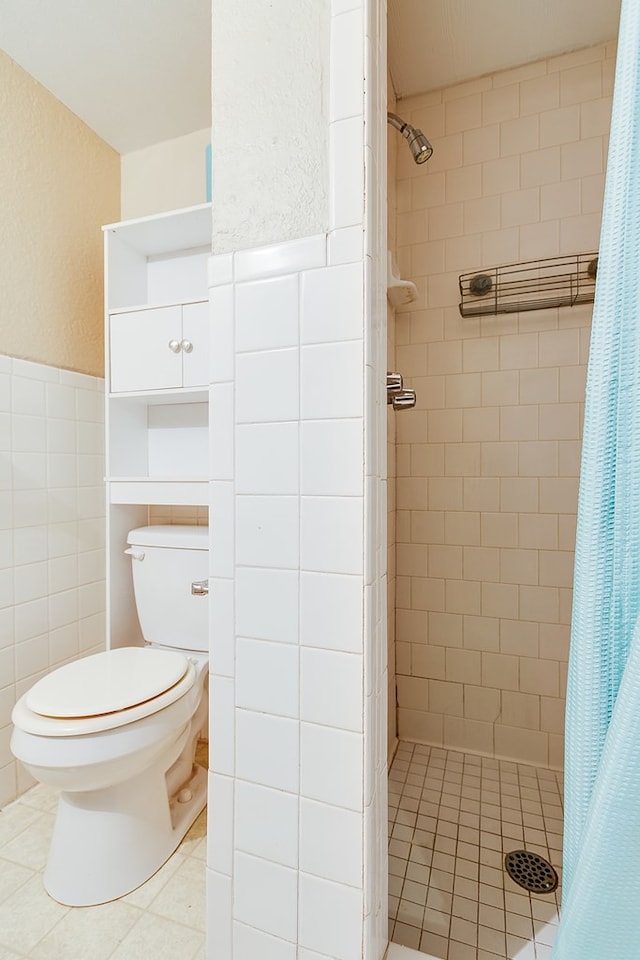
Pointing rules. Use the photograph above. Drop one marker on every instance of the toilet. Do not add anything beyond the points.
(116, 732)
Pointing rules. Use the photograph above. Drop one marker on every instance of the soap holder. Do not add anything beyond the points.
(399, 292)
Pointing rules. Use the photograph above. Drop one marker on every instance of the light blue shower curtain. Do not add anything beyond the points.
(601, 879)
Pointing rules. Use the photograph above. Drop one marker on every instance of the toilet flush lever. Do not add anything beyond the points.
(135, 554)
(200, 588)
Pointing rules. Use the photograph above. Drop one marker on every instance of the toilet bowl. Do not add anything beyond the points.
(116, 732)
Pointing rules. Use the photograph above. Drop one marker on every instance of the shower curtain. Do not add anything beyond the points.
(601, 880)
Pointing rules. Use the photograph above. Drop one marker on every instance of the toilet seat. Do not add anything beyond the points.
(104, 691)
(105, 682)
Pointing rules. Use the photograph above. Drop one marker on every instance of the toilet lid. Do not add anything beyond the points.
(106, 682)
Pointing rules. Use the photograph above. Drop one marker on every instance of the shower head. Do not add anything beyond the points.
(420, 147)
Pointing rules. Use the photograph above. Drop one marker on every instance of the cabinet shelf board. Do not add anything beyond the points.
(164, 233)
(176, 492)
(172, 395)
(135, 307)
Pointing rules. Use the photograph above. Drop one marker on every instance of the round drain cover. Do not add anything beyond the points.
(530, 871)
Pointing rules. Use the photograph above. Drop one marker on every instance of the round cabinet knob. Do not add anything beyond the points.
(187, 346)
(175, 346)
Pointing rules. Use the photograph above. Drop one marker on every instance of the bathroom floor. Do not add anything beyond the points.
(452, 818)
(164, 919)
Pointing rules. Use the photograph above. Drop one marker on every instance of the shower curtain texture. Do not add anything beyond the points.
(601, 881)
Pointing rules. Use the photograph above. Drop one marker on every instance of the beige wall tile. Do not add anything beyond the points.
(412, 626)
(539, 386)
(519, 351)
(500, 600)
(427, 526)
(481, 493)
(519, 637)
(463, 666)
(541, 166)
(483, 214)
(499, 529)
(539, 240)
(480, 423)
(420, 726)
(581, 83)
(481, 703)
(559, 200)
(582, 158)
(539, 603)
(519, 136)
(499, 459)
(501, 246)
(559, 421)
(521, 206)
(427, 594)
(428, 661)
(500, 104)
(446, 629)
(520, 710)
(552, 711)
(560, 126)
(413, 692)
(519, 495)
(462, 459)
(445, 493)
(527, 746)
(462, 596)
(559, 495)
(462, 527)
(472, 735)
(538, 458)
(500, 389)
(482, 633)
(463, 390)
(539, 676)
(482, 563)
(519, 423)
(445, 561)
(411, 559)
(500, 670)
(445, 697)
(500, 175)
(480, 354)
(539, 94)
(538, 531)
(556, 568)
(445, 425)
(554, 641)
(519, 566)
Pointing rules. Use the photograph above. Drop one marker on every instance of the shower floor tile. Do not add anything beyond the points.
(452, 819)
(164, 918)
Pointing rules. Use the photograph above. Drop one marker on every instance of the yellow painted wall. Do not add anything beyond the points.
(59, 182)
(165, 176)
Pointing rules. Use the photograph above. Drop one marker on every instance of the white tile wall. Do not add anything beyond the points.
(298, 559)
(51, 532)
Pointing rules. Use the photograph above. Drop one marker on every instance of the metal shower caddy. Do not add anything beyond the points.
(533, 285)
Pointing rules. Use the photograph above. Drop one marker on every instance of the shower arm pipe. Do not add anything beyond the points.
(420, 147)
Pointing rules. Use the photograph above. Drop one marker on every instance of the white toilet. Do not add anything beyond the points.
(116, 732)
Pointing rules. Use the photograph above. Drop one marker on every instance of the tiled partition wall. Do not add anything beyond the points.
(488, 463)
(51, 532)
(287, 514)
(297, 790)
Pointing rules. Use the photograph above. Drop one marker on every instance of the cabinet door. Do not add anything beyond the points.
(195, 331)
(141, 358)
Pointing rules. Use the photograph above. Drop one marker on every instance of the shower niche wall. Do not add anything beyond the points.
(157, 364)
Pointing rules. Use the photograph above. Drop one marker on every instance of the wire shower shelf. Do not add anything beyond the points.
(534, 285)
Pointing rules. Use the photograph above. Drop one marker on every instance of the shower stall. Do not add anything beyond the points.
(483, 476)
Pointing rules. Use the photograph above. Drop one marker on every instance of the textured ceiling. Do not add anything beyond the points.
(434, 43)
(136, 71)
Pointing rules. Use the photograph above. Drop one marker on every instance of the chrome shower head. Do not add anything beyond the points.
(420, 147)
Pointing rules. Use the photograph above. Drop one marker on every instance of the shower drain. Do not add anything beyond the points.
(530, 871)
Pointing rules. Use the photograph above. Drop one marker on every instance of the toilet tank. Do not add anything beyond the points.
(170, 568)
